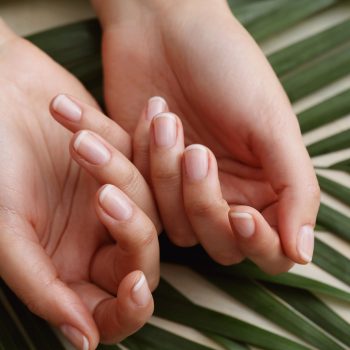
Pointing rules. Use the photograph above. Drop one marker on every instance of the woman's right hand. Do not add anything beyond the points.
(187, 188)
(56, 253)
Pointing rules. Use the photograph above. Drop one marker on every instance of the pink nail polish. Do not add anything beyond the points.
(155, 106)
(305, 243)
(164, 130)
(68, 109)
(90, 148)
(140, 292)
(196, 162)
(243, 223)
(75, 337)
(115, 203)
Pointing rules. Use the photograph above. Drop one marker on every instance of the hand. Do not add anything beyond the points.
(187, 190)
(213, 75)
(56, 254)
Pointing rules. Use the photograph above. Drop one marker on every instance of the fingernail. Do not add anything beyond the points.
(75, 337)
(91, 148)
(155, 106)
(115, 203)
(196, 162)
(65, 107)
(306, 243)
(243, 223)
(165, 130)
(140, 292)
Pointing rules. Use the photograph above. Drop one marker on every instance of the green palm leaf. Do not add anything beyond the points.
(259, 299)
(314, 309)
(335, 189)
(325, 112)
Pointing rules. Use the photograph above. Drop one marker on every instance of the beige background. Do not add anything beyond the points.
(33, 15)
(29, 16)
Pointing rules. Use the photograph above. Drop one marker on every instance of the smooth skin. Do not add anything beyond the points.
(212, 74)
(217, 81)
(58, 233)
(186, 186)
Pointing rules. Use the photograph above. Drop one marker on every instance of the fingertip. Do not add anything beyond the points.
(140, 292)
(76, 338)
(155, 105)
(305, 243)
(66, 108)
(243, 223)
(297, 217)
(135, 300)
(258, 240)
(119, 317)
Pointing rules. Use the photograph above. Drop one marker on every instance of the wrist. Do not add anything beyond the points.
(112, 12)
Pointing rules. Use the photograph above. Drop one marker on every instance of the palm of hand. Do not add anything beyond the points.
(53, 204)
(194, 75)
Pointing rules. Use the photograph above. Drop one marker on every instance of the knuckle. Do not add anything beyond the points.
(165, 177)
(130, 181)
(145, 237)
(140, 145)
(107, 129)
(148, 235)
(203, 208)
(104, 128)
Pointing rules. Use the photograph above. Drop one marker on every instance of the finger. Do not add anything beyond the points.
(119, 317)
(166, 149)
(37, 284)
(141, 139)
(108, 165)
(136, 239)
(206, 209)
(292, 176)
(76, 115)
(258, 241)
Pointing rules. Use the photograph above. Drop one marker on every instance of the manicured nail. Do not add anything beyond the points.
(306, 243)
(155, 106)
(140, 292)
(165, 130)
(75, 337)
(91, 148)
(115, 203)
(68, 109)
(196, 162)
(243, 223)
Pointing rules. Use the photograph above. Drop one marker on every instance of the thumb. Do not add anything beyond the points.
(29, 272)
(292, 176)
